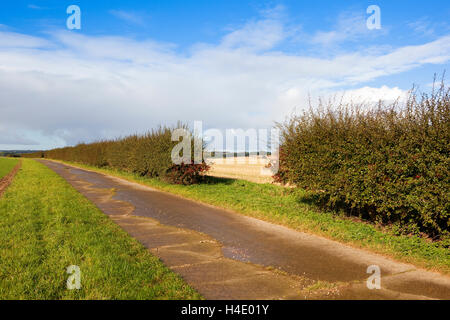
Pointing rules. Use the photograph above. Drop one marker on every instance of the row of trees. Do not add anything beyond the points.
(147, 155)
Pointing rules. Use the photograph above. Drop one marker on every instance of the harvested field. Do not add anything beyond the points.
(245, 168)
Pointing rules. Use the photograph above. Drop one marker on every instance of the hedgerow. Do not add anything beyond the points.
(147, 155)
(388, 164)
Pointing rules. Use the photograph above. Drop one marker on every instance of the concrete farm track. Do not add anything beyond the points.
(226, 255)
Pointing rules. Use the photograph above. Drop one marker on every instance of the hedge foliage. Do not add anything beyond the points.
(388, 164)
(146, 155)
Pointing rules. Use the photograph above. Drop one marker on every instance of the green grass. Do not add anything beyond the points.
(6, 165)
(291, 207)
(46, 225)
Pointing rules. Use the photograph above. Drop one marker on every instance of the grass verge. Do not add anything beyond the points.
(6, 165)
(46, 226)
(291, 208)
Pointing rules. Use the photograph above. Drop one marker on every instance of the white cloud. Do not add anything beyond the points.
(128, 16)
(8, 136)
(370, 95)
(35, 7)
(17, 40)
(422, 26)
(79, 88)
(350, 26)
(258, 35)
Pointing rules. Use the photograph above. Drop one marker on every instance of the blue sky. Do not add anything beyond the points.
(231, 64)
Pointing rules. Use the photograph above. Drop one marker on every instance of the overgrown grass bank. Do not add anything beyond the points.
(46, 226)
(293, 208)
(6, 165)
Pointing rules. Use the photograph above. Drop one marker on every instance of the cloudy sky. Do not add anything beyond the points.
(232, 64)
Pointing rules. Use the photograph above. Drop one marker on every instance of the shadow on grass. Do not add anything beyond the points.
(217, 180)
(309, 198)
(339, 209)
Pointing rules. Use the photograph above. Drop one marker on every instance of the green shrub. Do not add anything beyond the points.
(147, 155)
(388, 164)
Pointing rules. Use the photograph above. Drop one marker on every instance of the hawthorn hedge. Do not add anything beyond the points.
(388, 164)
(147, 155)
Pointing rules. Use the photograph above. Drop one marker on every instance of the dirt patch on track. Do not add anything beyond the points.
(6, 180)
